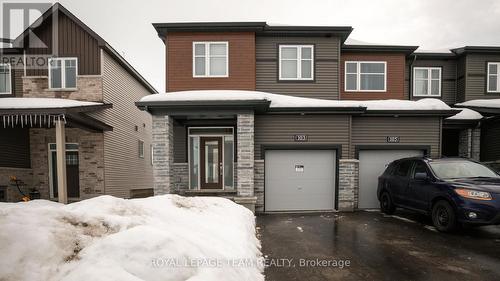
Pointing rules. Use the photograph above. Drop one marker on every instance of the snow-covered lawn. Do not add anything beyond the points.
(106, 238)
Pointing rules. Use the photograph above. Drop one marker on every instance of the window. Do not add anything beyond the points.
(420, 168)
(210, 59)
(426, 81)
(296, 62)
(365, 76)
(62, 73)
(493, 77)
(5, 79)
(403, 168)
(141, 149)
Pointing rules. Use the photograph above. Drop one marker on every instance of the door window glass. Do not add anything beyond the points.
(402, 169)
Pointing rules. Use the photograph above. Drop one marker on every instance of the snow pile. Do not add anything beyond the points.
(106, 238)
(489, 103)
(285, 101)
(466, 114)
(34, 103)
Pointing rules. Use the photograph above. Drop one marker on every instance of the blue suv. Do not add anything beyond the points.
(453, 191)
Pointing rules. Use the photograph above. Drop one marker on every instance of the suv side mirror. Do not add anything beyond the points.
(421, 176)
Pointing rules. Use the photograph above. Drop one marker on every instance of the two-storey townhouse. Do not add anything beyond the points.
(467, 78)
(255, 113)
(69, 98)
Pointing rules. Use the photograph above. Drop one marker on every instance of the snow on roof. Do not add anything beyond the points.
(285, 101)
(466, 114)
(489, 103)
(41, 103)
(351, 41)
(166, 237)
(438, 51)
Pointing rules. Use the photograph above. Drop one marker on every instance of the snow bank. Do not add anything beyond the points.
(106, 238)
(489, 103)
(34, 103)
(466, 114)
(280, 101)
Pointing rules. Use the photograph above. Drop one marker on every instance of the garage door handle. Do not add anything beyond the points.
(299, 188)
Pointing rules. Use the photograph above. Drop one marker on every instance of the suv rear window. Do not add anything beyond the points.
(402, 168)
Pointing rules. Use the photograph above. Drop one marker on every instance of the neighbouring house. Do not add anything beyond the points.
(67, 108)
(285, 118)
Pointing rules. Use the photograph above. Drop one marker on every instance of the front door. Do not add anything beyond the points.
(72, 174)
(211, 162)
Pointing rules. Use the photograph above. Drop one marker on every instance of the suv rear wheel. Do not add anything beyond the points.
(386, 205)
(444, 217)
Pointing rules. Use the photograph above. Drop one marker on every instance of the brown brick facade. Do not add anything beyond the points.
(179, 68)
(395, 76)
(89, 89)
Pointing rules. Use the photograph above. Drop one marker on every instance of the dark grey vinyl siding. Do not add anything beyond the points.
(490, 136)
(448, 78)
(73, 41)
(180, 143)
(461, 66)
(418, 131)
(321, 129)
(476, 76)
(326, 71)
(14, 148)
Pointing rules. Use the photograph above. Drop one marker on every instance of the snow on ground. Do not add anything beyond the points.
(490, 103)
(280, 101)
(106, 238)
(34, 103)
(466, 114)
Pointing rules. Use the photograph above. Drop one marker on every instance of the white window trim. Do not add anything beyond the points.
(299, 62)
(488, 77)
(429, 85)
(358, 76)
(207, 59)
(10, 75)
(63, 73)
(139, 152)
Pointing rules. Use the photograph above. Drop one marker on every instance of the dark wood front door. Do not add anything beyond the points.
(72, 174)
(211, 162)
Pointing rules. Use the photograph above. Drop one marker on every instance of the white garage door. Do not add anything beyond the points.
(299, 180)
(372, 164)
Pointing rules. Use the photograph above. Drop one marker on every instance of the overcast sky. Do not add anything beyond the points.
(431, 24)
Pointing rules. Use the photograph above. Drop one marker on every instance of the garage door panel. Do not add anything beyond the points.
(372, 164)
(288, 187)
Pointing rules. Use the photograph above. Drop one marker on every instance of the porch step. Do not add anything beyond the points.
(207, 192)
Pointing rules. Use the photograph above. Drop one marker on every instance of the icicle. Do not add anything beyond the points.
(64, 118)
(31, 120)
(3, 117)
(22, 123)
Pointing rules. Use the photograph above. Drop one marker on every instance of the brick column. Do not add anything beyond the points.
(163, 157)
(469, 143)
(245, 154)
(348, 184)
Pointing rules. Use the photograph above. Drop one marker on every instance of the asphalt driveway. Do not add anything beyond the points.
(372, 246)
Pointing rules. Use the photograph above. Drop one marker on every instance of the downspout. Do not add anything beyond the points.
(410, 77)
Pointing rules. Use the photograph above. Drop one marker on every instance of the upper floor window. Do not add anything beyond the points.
(426, 81)
(493, 77)
(5, 79)
(296, 62)
(365, 76)
(210, 59)
(62, 73)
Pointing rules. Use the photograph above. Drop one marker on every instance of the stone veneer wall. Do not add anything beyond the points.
(89, 88)
(348, 184)
(469, 143)
(180, 177)
(91, 160)
(163, 154)
(25, 175)
(245, 154)
(259, 185)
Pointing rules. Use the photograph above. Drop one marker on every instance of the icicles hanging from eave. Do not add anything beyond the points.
(31, 120)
